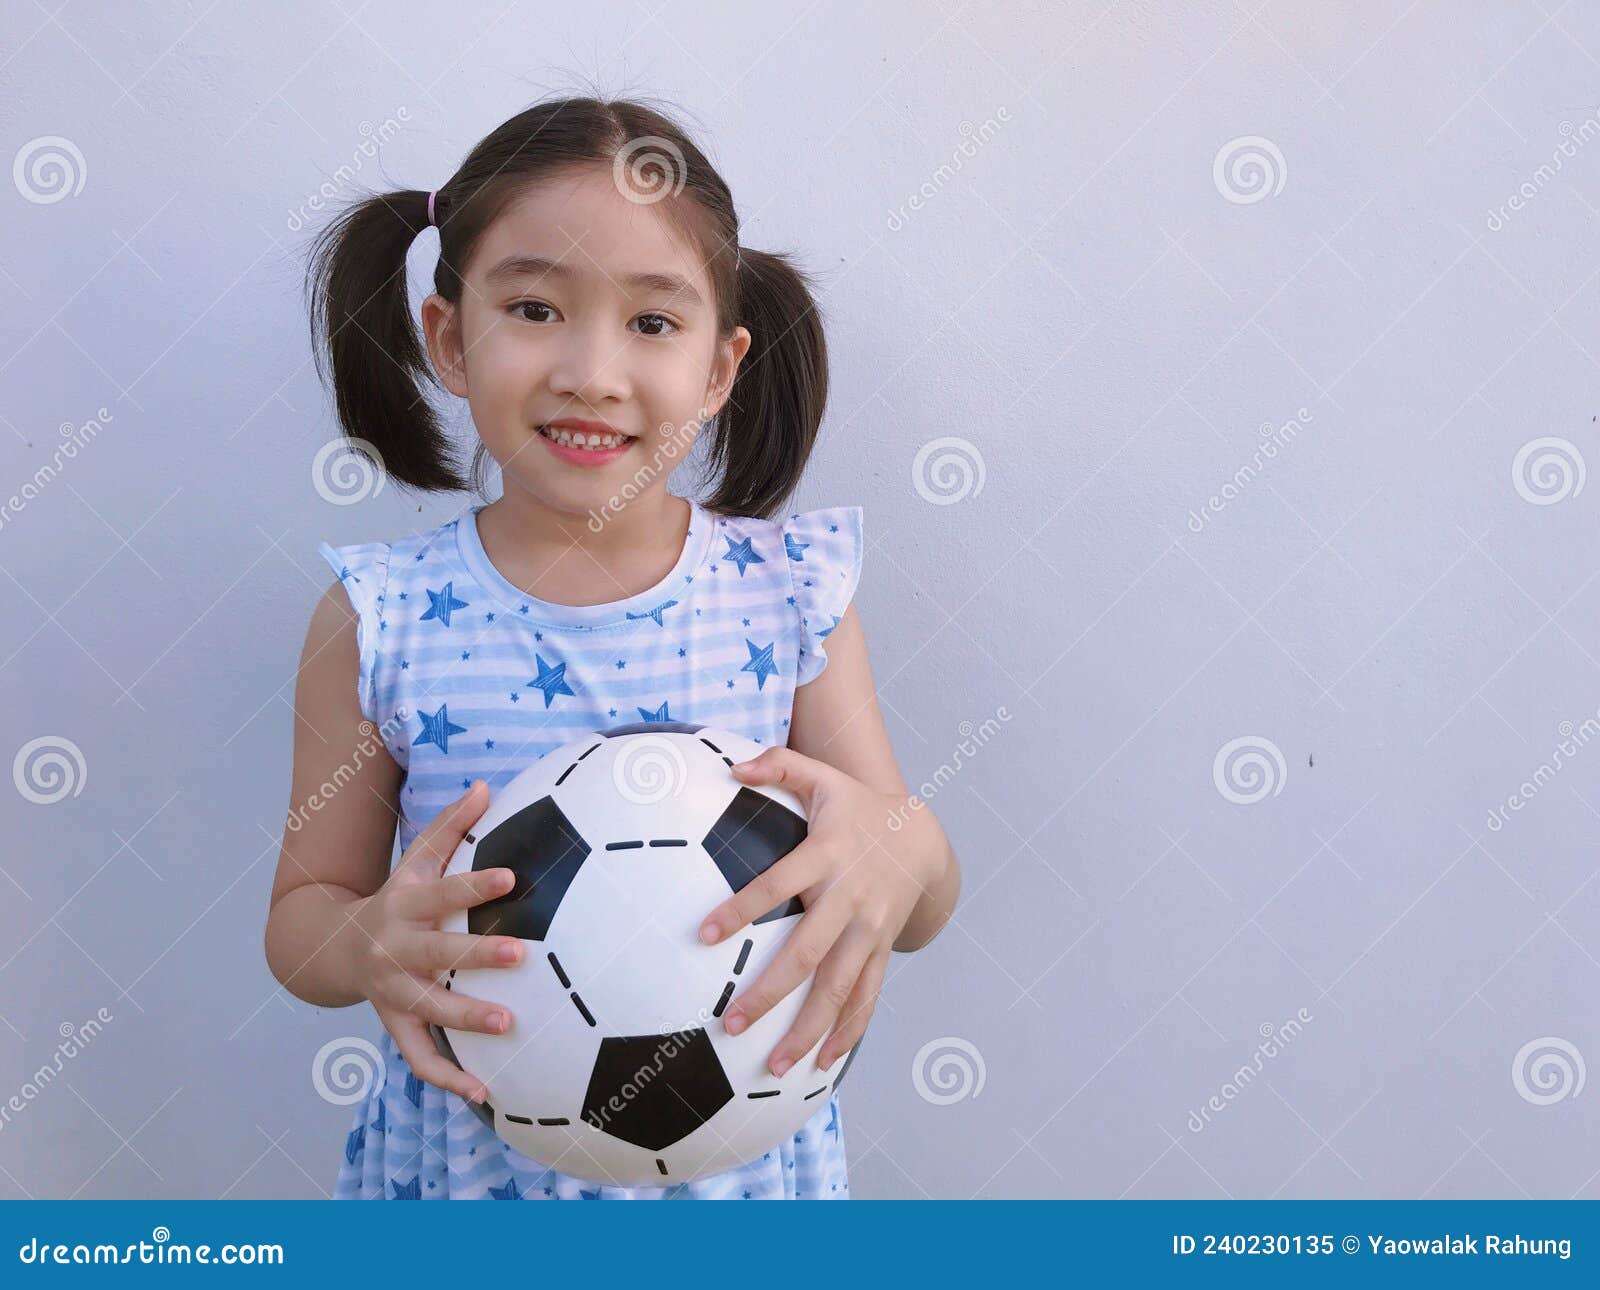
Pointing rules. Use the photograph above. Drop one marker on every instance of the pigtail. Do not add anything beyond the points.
(766, 429)
(361, 325)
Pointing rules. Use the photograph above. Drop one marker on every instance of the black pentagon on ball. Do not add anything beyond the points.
(545, 851)
(654, 1090)
(749, 837)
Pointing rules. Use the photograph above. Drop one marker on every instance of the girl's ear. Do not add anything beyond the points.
(444, 344)
(729, 355)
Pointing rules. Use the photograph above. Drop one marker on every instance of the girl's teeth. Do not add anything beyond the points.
(590, 442)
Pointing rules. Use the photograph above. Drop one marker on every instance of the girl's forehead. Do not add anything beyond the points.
(586, 222)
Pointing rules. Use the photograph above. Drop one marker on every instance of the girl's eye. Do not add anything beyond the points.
(531, 304)
(658, 319)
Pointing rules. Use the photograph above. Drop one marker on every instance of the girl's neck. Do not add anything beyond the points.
(559, 558)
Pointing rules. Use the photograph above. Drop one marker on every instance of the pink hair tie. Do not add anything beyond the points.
(431, 196)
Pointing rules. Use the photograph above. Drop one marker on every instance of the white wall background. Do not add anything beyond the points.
(1401, 600)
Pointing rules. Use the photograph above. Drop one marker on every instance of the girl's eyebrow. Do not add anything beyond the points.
(515, 267)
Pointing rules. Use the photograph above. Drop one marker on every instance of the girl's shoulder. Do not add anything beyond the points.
(368, 568)
(819, 553)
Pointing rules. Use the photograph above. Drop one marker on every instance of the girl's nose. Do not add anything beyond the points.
(590, 366)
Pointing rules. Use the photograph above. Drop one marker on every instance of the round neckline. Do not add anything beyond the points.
(696, 543)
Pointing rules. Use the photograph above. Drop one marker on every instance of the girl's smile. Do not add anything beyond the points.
(572, 446)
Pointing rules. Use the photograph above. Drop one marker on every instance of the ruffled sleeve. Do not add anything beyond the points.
(824, 551)
(364, 571)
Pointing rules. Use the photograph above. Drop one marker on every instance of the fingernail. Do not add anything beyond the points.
(496, 1021)
(734, 1022)
(709, 932)
(508, 953)
(781, 1065)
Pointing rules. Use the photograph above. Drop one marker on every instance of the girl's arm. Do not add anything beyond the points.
(836, 719)
(339, 852)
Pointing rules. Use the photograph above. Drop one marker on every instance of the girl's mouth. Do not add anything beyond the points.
(585, 449)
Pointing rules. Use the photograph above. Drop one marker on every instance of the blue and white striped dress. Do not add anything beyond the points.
(488, 679)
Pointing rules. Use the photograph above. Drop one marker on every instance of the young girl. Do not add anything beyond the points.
(593, 306)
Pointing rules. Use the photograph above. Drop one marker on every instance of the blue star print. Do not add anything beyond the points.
(793, 547)
(407, 1191)
(660, 714)
(437, 729)
(552, 680)
(509, 1192)
(742, 554)
(827, 630)
(355, 1142)
(656, 612)
(442, 604)
(760, 662)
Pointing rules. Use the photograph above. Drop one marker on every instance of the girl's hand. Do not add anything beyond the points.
(859, 881)
(402, 951)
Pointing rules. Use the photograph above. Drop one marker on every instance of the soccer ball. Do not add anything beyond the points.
(616, 1069)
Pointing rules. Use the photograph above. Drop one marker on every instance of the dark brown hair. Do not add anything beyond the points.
(361, 314)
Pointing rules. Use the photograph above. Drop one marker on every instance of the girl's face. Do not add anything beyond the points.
(581, 305)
